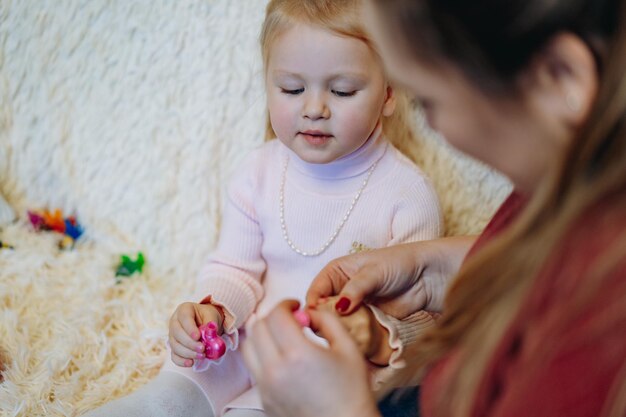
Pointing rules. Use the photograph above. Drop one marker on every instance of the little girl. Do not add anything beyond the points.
(331, 183)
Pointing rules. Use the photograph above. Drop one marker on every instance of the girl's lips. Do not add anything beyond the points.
(314, 138)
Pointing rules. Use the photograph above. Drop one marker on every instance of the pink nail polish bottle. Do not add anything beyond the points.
(214, 346)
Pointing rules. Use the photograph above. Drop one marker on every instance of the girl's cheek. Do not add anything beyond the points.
(282, 121)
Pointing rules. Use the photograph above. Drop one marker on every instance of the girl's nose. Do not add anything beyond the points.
(315, 107)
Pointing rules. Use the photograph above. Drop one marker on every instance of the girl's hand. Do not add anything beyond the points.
(370, 337)
(184, 333)
(297, 377)
(399, 280)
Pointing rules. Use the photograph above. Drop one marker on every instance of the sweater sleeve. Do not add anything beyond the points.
(402, 333)
(231, 277)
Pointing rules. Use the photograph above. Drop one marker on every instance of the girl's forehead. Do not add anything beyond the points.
(308, 48)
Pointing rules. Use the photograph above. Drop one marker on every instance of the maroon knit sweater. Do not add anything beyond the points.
(586, 346)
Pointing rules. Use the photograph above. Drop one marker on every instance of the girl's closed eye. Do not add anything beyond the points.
(343, 93)
(292, 92)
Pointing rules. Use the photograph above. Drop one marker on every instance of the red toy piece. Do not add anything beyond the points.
(214, 346)
(54, 220)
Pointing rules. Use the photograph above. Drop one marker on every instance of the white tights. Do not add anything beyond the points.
(168, 395)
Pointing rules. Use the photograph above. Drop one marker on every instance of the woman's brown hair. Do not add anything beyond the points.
(343, 18)
(492, 42)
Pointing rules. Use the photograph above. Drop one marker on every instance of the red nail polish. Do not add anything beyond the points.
(343, 304)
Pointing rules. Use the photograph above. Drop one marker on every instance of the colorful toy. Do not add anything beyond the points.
(214, 346)
(55, 222)
(128, 267)
(72, 228)
(66, 243)
(5, 246)
(36, 220)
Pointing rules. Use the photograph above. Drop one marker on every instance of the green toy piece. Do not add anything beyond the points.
(128, 267)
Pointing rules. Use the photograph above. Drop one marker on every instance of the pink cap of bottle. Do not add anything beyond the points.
(214, 346)
(302, 317)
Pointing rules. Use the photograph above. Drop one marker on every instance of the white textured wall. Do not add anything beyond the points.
(131, 114)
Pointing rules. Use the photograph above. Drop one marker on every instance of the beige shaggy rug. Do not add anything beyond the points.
(131, 115)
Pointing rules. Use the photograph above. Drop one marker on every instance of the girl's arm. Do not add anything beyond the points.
(231, 278)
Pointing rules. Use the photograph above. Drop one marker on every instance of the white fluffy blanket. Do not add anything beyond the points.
(131, 115)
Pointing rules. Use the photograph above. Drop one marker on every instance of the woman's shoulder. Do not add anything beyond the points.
(589, 261)
(599, 229)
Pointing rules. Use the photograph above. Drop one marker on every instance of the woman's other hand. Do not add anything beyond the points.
(297, 377)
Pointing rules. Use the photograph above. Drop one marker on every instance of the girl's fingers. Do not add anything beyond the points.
(183, 351)
(181, 336)
(183, 362)
(187, 320)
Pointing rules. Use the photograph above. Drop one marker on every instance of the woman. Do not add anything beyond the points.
(535, 321)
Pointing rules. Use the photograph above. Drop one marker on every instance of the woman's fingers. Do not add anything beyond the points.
(328, 282)
(299, 377)
(280, 329)
(272, 337)
(363, 285)
(285, 328)
(267, 350)
(329, 327)
(352, 277)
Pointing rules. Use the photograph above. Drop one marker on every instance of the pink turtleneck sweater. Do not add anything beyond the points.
(253, 267)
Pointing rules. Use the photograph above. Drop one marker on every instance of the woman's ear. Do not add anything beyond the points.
(389, 106)
(562, 81)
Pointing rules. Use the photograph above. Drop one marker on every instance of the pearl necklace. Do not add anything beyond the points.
(332, 238)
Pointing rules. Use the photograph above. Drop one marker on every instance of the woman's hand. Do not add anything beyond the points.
(399, 280)
(184, 333)
(297, 377)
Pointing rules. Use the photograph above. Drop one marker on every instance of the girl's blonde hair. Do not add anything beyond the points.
(490, 289)
(343, 18)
